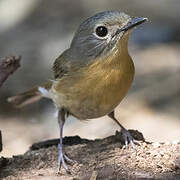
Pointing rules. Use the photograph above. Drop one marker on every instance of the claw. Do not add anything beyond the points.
(68, 159)
(126, 134)
(62, 158)
(128, 138)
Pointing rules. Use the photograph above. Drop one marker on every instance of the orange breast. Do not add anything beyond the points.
(97, 89)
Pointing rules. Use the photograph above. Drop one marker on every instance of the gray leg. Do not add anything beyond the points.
(127, 136)
(61, 156)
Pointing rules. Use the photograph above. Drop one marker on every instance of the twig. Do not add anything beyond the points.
(8, 66)
(0, 141)
(94, 175)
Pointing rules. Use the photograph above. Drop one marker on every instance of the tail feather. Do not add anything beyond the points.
(29, 96)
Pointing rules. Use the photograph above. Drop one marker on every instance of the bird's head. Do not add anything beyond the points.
(101, 33)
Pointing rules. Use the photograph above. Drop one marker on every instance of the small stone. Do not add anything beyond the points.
(161, 153)
(40, 165)
(148, 152)
(176, 142)
(156, 144)
(144, 145)
(167, 143)
(40, 174)
(159, 166)
(166, 156)
(36, 154)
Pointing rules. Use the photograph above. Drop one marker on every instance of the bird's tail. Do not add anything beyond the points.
(29, 96)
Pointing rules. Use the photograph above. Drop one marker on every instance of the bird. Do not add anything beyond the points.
(92, 76)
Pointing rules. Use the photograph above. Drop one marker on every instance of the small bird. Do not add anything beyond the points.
(92, 76)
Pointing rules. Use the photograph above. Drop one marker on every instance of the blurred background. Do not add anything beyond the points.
(40, 30)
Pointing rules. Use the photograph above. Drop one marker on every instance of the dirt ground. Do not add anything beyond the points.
(96, 159)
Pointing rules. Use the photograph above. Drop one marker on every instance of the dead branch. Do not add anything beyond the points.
(8, 65)
(0, 141)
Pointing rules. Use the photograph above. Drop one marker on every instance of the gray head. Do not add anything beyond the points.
(100, 33)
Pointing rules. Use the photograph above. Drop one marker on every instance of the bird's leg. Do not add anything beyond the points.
(61, 156)
(126, 134)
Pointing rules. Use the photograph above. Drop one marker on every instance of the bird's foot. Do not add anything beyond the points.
(62, 158)
(128, 138)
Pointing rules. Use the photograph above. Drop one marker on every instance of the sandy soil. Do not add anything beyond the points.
(99, 159)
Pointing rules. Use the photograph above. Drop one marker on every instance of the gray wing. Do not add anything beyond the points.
(61, 66)
(67, 64)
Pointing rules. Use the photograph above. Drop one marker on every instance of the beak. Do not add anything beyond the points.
(132, 23)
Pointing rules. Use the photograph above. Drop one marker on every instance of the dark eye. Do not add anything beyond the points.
(101, 31)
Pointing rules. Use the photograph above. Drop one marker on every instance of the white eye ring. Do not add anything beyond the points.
(101, 32)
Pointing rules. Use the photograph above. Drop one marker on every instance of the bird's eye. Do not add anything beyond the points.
(101, 31)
